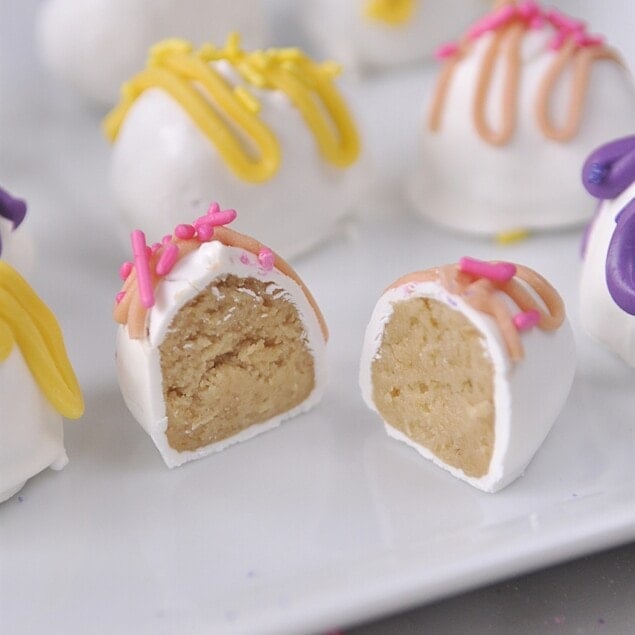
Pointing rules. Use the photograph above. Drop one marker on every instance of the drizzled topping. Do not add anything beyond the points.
(26, 322)
(508, 24)
(610, 169)
(13, 209)
(390, 12)
(229, 116)
(482, 284)
(152, 263)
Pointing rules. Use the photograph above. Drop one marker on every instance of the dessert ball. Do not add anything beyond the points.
(607, 285)
(219, 340)
(95, 45)
(520, 102)
(37, 385)
(470, 364)
(267, 130)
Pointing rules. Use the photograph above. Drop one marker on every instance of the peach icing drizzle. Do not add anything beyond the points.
(152, 263)
(509, 23)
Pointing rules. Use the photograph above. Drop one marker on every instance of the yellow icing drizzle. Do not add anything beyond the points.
(230, 116)
(27, 322)
(392, 12)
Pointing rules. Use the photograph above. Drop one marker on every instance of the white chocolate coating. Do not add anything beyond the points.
(96, 45)
(31, 432)
(531, 183)
(138, 361)
(601, 317)
(344, 32)
(528, 395)
(163, 169)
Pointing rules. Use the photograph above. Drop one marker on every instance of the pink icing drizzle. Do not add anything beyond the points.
(534, 17)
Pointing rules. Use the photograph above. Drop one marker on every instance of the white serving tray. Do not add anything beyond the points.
(322, 522)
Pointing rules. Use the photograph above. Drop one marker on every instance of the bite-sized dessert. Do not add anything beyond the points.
(470, 364)
(12, 213)
(266, 130)
(607, 287)
(219, 339)
(520, 102)
(37, 385)
(378, 34)
(95, 45)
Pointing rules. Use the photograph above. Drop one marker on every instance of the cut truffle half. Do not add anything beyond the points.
(232, 344)
(458, 361)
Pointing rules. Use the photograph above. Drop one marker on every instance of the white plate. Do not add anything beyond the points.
(317, 524)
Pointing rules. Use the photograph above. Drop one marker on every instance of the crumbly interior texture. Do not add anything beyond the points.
(235, 355)
(433, 381)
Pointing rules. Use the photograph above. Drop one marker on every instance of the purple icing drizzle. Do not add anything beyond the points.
(620, 260)
(610, 169)
(13, 209)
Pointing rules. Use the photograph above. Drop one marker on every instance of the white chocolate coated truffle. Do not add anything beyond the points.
(530, 181)
(164, 167)
(528, 394)
(95, 45)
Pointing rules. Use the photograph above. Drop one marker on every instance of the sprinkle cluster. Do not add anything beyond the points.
(532, 16)
(166, 253)
(500, 273)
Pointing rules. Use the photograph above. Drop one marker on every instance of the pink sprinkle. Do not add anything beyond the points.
(445, 51)
(213, 209)
(527, 320)
(558, 41)
(497, 272)
(528, 9)
(155, 248)
(222, 218)
(167, 260)
(204, 232)
(166, 239)
(492, 21)
(184, 232)
(244, 259)
(148, 250)
(125, 270)
(266, 258)
(583, 40)
(120, 296)
(142, 265)
(565, 22)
